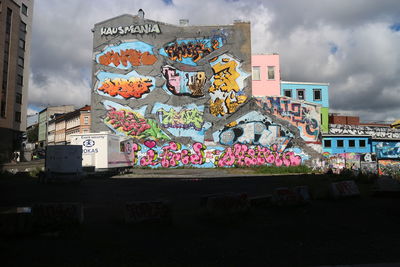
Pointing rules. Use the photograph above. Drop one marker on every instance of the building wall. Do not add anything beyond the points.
(45, 116)
(14, 71)
(308, 88)
(325, 120)
(345, 120)
(184, 95)
(265, 86)
(347, 148)
(386, 149)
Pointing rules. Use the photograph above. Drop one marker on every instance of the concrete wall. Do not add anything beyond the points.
(265, 86)
(184, 95)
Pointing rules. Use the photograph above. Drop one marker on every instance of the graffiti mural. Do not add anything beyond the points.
(183, 83)
(304, 116)
(131, 85)
(127, 55)
(175, 154)
(388, 150)
(374, 132)
(190, 51)
(227, 86)
(254, 128)
(389, 167)
(182, 121)
(132, 123)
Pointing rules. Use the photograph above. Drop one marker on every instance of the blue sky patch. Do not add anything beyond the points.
(333, 48)
(395, 27)
(168, 2)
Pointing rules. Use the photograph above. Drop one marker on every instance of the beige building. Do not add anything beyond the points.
(15, 36)
(62, 126)
(45, 116)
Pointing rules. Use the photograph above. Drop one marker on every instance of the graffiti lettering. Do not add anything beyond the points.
(226, 89)
(133, 29)
(388, 150)
(191, 51)
(254, 133)
(243, 155)
(304, 116)
(132, 124)
(374, 132)
(132, 56)
(184, 83)
(185, 119)
(127, 88)
(174, 154)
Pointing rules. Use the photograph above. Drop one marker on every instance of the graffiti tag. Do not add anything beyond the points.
(184, 119)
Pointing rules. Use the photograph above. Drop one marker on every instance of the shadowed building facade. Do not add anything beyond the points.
(15, 36)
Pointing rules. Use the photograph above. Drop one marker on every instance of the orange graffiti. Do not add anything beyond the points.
(134, 87)
(136, 58)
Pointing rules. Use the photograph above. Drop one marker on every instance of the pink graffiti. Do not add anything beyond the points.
(172, 156)
(243, 155)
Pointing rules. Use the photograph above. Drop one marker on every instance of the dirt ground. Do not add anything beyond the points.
(325, 232)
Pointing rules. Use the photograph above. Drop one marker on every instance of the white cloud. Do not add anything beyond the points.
(345, 43)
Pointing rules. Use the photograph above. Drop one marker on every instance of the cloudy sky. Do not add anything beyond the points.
(353, 45)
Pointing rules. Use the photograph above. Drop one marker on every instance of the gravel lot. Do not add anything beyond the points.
(325, 232)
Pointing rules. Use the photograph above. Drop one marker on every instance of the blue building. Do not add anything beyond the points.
(317, 93)
(335, 144)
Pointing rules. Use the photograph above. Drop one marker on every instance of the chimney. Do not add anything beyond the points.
(141, 14)
(183, 22)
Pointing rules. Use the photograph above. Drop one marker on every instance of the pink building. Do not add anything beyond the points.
(266, 75)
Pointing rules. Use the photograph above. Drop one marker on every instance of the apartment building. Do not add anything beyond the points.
(63, 125)
(45, 116)
(15, 42)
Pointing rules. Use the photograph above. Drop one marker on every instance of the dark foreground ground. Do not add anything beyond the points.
(325, 232)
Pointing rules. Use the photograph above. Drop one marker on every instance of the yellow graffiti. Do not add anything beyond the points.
(225, 75)
(233, 101)
(232, 124)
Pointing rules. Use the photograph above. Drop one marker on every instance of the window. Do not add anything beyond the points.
(85, 131)
(300, 94)
(21, 44)
(20, 80)
(24, 10)
(362, 143)
(3, 109)
(22, 27)
(256, 74)
(18, 98)
(287, 93)
(271, 73)
(352, 143)
(86, 120)
(21, 61)
(317, 94)
(339, 143)
(327, 143)
(17, 116)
